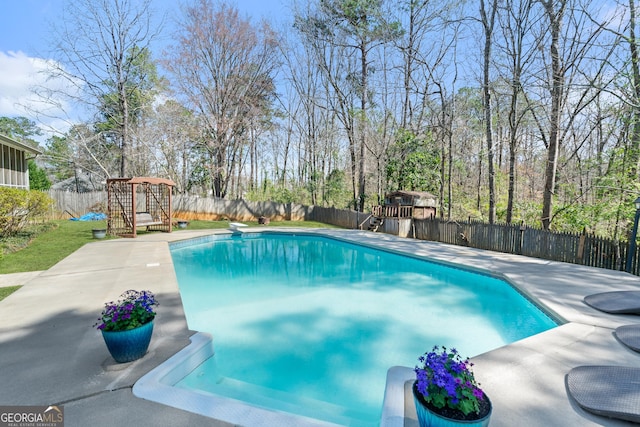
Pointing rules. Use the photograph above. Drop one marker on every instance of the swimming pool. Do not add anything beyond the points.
(351, 312)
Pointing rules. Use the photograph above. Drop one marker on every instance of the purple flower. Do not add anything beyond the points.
(445, 379)
(133, 309)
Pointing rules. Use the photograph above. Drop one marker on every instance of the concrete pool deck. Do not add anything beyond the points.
(50, 354)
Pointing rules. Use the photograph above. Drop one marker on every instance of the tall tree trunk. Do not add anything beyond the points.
(354, 169)
(442, 171)
(185, 164)
(450, 165)
(557, 83)
(513, 141)
(635, 116)
(409, 58)
(253, 169)
(362, 173)
(516, 35)
(479, 182)
(218, 173)
(124, 129)
(488, 24)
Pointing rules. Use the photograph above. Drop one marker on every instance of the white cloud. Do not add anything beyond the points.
(16, 72)
(19, 75)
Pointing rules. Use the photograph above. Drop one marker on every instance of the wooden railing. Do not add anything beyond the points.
(366, 220)
(393, 211)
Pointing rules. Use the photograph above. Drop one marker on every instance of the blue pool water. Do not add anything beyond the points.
(310, 325)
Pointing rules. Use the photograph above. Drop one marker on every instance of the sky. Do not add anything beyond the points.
(25, 42)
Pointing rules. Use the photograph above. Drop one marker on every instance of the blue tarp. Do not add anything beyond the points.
(91, 216)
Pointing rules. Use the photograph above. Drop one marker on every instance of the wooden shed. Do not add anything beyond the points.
(138, 202)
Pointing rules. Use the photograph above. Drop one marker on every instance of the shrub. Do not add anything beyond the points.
(38, 177)
(18, 207)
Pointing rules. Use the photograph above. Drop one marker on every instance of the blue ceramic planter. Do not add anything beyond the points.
(127, 346)
(428, 418)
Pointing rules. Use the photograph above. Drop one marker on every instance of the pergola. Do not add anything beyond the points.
(138, 202)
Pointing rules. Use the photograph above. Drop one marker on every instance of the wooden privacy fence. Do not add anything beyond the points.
(71, 204)
(576, 248)
(340, 217)
(207, 208)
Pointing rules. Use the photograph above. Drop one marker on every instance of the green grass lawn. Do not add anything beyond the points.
(51, 246)
(56, 243)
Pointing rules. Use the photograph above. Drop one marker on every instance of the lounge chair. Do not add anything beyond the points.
(610, 391)
(615, 302)
(629, 335)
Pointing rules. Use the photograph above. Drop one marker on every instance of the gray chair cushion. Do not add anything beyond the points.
(616, 302)
(611, 391)
(629, 335)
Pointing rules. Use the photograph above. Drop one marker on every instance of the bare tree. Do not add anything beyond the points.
(516, 18)
(424, 21)
(555, 13)
(223, 66)
(357, 27)
(635, 89)
(166, 139)
(102, 51)
(488, 23)
(576, 64)
(437, 68)
(310, 119)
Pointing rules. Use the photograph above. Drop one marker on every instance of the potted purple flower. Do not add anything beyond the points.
(446, 392)
(127, 325)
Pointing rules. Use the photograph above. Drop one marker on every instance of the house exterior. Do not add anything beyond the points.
(14, 157)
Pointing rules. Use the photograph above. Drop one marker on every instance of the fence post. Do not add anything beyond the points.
(580, 254)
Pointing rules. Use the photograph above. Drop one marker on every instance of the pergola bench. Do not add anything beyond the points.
(144, 219)
(151, 197)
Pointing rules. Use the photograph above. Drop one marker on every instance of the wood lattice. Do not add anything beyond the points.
(138, 202)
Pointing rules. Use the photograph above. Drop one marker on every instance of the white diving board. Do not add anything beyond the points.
(236, 226)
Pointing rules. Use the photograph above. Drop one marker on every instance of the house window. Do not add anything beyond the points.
(12, 167)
